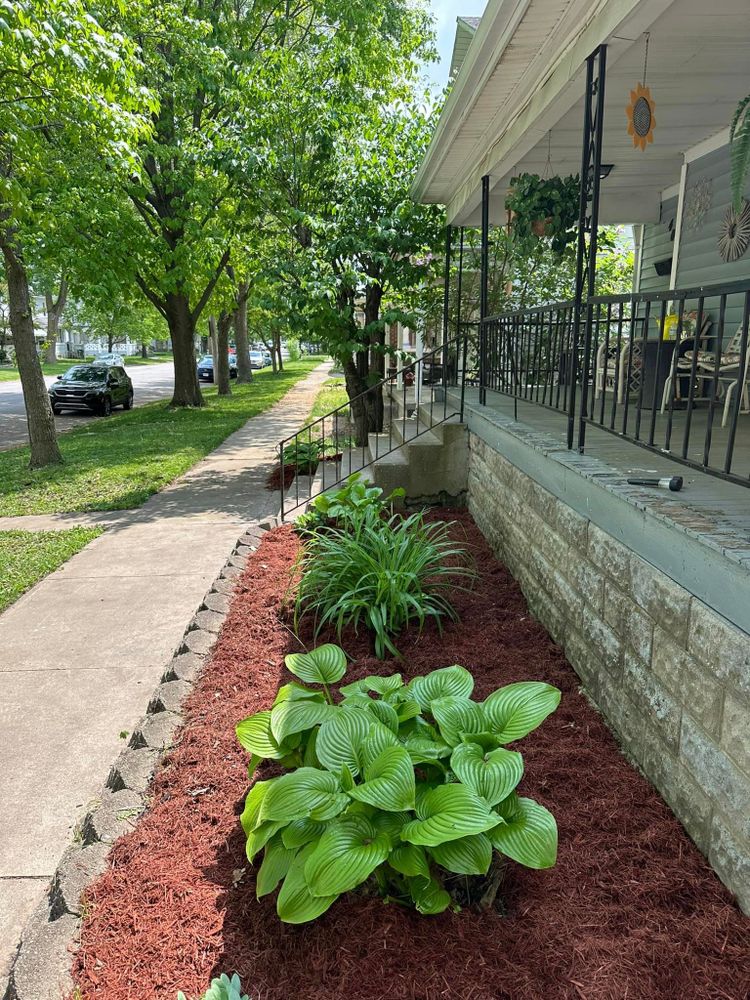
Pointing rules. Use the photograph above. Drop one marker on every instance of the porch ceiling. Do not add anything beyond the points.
(698, 68)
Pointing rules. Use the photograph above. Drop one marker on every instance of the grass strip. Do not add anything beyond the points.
(27, 556)
(117, 463)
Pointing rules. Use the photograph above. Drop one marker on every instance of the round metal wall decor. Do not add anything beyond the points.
(641, 117)
(734, 233)
(698, 199)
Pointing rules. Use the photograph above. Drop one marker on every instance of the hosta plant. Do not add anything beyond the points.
(395, 784)
(338, 507)
(222, 988)
(303, 455)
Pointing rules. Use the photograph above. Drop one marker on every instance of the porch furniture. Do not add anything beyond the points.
(705, 365)
(684, 367)
(616, 366)
(737, 380)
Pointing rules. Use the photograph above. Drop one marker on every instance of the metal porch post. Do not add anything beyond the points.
(588, 221)
(446, 300)
(483, 289)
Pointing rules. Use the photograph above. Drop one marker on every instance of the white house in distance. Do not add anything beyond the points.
(647, 589)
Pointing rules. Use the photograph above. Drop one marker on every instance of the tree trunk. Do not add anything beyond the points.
(54, 315)
(187, 391)
(277, 349)
(374, 400)
(110, 340)
(144, 349)
(221, 363)
(40, 420)
(244, 371)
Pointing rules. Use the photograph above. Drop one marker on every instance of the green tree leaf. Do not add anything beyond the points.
(306, 792)
(324, 665)
(466, 856)
(347, 854)
(515, 710)
(295, 903)
(529, 837)
(389, 781)
(445, 813)
(492, 775)
(452, 681)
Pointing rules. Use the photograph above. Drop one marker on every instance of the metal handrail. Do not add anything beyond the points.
(305, 435)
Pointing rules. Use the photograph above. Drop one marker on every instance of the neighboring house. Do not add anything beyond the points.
(647, 590)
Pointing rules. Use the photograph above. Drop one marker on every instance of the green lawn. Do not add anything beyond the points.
(117, 463)
(60, 367)
(27, 556)
(332, 394)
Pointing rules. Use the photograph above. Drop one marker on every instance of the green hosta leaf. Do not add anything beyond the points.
(428, 895)
(301, 832)
(324, 665)
(380, 685)
(276, 863)
(421, 749)
(445, 813)
(340, 739)
(310, 757)
(456, 717)
(255, 735)
(297, 716)
(408, 709)
(517, 709)
(491, 775)
(380, 737)
(389, 823)
(296, 692)
(529, 837)
(508, 807)
(347, 853)
(384, 713)
(467, 856)
(305, 792)
(389, 781)
(408, 859)
(447, 682)
(295, 903)
(250, 817)
(259, 837)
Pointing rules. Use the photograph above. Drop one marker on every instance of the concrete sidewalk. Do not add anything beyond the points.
(82, 651)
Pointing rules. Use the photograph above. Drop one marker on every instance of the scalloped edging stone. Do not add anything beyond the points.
(41, 967)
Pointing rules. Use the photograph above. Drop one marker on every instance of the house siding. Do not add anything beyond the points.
(657, 245)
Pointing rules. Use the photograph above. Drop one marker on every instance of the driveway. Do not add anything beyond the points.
(150, 382)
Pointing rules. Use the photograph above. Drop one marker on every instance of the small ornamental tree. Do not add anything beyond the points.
(403, 785)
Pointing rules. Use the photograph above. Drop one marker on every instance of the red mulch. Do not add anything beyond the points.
(632, 911)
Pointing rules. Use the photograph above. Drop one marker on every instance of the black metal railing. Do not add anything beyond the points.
(669, 371)
(405, 405)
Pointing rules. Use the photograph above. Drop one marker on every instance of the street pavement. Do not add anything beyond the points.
(150, 382)
(81, 652)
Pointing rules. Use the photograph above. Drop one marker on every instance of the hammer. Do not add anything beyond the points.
(674, 483)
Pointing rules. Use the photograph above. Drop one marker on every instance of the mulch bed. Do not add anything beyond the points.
(632, 910)
(273, 479)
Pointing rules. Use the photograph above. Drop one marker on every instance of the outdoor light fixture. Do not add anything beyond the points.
(605, 169)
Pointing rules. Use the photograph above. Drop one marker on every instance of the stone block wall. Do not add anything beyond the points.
(671, 676)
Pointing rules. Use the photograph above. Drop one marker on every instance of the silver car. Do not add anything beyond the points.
(109, 360)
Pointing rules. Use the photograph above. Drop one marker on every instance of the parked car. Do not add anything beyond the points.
(267, 357)
(257, 360)
(97, 388)
(206, 367)
(109, 359)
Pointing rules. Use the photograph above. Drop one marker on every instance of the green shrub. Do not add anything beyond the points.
(398, 783)
(222, 988)
(383, 574)
(304, 455)
(342, 505)
(292, 345)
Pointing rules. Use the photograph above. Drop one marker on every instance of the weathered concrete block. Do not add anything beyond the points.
(729, 855)
(663, 713)
(661, 598)
(609, 555)
(626, 619)
(42, 967)
(244, 549)
(217, 602)
(578, 652)
(223, 587)
(184, 667)
(75, 873)
(587, 580)
(238, 560)
(568, 600)
(604, 643)
(735, 731)
(625, 719)
(230, 572)
(208, 621)
(715, 772)
(155, 732)
(692, 684)
(542, 502)
(197, 641)
(571, 526)
(713, 641)
(133, 769)
(169, 697)
(111, 818)
(681, 792)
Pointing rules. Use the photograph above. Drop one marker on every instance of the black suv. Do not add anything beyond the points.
(92, 387)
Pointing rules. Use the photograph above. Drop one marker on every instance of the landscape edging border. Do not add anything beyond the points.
(40, 969)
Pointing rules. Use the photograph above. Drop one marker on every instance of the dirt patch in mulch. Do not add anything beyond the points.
(632, 911)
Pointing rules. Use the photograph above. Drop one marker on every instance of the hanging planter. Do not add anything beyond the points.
(545, 207)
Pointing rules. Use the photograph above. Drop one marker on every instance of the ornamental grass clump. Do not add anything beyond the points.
(381, 573)
(401, 786)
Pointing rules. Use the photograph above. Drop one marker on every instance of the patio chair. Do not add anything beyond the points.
(705, 365)
(685, 351)
(740, 377)
(612, 364)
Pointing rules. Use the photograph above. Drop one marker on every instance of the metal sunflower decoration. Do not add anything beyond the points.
(734, 232)
(640, 111)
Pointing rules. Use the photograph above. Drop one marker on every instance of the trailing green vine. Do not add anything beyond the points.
(545, 207)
